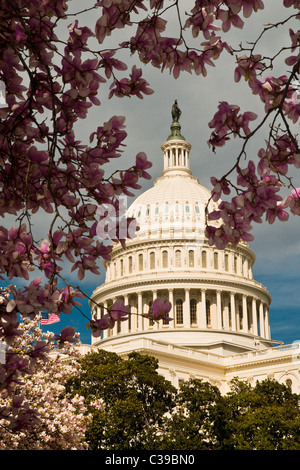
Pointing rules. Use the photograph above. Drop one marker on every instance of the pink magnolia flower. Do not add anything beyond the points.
(276, 212)
(67, 334)
(248, 67)
(293, 201)
(227, 120)
(220, 186)
(119, 312)
(110, 63)
(142, 164)
(160, 310)
(229, 18)
(98, 325)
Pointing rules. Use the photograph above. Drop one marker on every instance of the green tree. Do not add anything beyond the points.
(264, 417)
(135, 400)
(191, 426)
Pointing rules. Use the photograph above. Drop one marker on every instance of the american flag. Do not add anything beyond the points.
(48, 318)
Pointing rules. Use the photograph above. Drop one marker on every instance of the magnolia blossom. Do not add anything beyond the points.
(293, 201)
(117, 312)
(62, 422)
(159, 310)
(226, 121)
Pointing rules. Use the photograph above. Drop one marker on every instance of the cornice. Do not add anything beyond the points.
(184, 353)
(132, 285)
(264, 361)
(259, 359)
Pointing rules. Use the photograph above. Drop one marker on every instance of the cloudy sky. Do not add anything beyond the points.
(277, 247)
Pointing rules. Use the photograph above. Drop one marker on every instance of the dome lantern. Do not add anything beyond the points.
(176, 149)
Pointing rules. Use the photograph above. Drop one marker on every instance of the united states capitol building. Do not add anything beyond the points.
(220, 328)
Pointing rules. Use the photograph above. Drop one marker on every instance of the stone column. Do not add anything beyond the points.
(105, 332)
(219, 310)
(245, 314)
(171, 313)
(261, 320)
(226, 313)
(145, 310)
(114, 330)
(125, 324)
(186, 310)
(202, 319)
(156, 324)
(140, 311)
(267, 324)
(233, 315)
(254, 316)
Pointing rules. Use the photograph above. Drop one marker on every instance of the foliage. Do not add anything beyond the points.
(141, 410)
(135, 399)
(191, 427)
(263, 417)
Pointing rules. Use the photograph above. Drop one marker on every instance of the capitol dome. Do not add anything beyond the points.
(217, 306)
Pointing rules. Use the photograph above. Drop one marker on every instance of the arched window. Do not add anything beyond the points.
(235, 264)
(191, 258)
(166, 322)
(177, 258)
(152, 260)
(226, 263)
(130, 264)
(216, 260)
(204, 259)
(140, 262)
(151, 322)
(179, 312)
(208, 314)
(121, 268)
(165, 259)
(289, 383)
(193, 311)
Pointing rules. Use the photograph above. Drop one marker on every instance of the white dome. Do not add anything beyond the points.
(175, 204)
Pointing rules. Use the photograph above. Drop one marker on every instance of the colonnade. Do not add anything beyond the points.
(202, 308)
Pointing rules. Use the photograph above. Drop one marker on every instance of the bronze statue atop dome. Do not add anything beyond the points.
(176, 112)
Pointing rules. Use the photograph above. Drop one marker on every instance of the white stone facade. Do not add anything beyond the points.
(220, 327)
